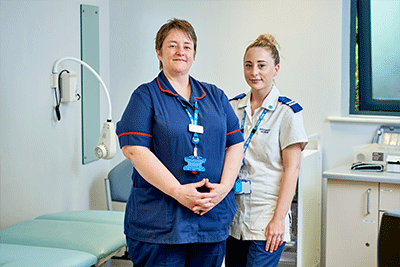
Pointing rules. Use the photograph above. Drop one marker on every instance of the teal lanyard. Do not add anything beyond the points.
(194, 163)
(246, 144)
(193, 120)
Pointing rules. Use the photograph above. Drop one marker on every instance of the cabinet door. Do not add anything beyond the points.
(309, 210)
(352, 223)
(389, 197)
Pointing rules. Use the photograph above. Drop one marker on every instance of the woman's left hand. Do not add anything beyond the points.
(274, 234)
(232, 162)
(275, 231)
(206, 204)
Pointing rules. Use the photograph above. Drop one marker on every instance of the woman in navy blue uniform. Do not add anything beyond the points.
(185, 144)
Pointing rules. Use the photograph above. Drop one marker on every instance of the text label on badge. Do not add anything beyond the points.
(196, 128)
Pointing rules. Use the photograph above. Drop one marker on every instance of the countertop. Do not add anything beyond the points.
(344, 172)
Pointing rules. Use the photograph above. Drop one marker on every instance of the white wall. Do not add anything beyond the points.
(309, 33)
(314, 40)
(41, 168)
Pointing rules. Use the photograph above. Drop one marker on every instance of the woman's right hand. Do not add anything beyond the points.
(191, 198)
(154, 172)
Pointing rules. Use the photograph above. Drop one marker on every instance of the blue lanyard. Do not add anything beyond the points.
(193, 120)
(246, 144)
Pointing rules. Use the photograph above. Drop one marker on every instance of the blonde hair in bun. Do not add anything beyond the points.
(268, 42)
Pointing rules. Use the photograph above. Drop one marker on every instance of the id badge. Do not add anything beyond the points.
(194, 164)
(242, 186)
(196, 128)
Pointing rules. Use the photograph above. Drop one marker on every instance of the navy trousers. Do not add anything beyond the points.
(145, 254)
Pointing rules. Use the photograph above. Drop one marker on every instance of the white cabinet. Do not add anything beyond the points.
(307, 216)
(353, 212)
(309, 206)
(389, 198)
(352, 223)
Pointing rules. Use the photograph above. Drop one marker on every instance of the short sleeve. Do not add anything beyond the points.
(233, 135)
(292, 130)
(135, 126)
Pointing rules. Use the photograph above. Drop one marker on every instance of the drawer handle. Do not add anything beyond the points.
(368, 194)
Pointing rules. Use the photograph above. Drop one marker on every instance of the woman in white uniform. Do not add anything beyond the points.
(273, 129)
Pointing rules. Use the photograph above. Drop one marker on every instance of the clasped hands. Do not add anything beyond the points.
(203, 196)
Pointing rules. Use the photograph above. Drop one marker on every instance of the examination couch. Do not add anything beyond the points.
(73, 238)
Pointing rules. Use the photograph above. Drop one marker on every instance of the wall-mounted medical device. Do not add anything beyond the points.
(65, 81)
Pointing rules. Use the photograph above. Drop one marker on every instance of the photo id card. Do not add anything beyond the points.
(242, 186)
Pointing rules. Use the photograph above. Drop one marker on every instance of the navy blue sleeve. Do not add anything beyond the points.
(135, 126)
(233, 135)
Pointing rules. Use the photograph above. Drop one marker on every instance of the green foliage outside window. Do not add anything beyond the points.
(357, 82)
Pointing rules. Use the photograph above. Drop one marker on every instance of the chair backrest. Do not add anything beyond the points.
(389, 239)
(119, 182)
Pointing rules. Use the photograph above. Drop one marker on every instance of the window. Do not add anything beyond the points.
(375, 57)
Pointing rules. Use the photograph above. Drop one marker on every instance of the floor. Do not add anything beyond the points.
(117, 263)
(126, 263)
(123, 263)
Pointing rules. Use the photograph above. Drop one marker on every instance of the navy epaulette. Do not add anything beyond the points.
(238, 97)
(295, 106)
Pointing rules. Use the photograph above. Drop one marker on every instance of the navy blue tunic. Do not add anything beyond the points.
(154, 118)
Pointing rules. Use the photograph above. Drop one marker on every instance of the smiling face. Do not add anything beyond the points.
(177, 53)
(260, 69)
